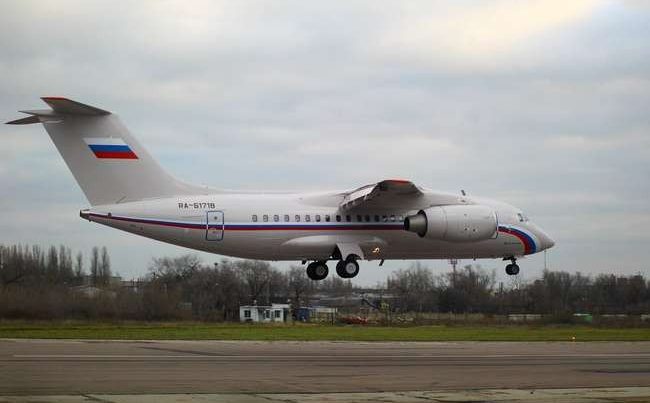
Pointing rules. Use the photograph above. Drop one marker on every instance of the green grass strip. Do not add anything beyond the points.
(203, 331)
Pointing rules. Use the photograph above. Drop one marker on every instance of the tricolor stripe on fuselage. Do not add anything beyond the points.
(527, 241)
(110, 148)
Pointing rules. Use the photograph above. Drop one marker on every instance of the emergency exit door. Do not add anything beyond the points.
(214, 226)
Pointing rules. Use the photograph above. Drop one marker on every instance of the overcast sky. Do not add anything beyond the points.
(542, 104)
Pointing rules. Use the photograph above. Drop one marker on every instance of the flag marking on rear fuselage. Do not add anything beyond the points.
(110, 148)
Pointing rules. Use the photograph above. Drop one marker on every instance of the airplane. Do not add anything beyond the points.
(390, 219)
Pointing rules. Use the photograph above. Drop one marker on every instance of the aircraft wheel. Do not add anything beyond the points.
(317, 271)
(515, 269)
(512, 269)
(348, 268)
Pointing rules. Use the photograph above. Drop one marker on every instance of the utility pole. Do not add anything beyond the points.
(545, 265)
(453, 263)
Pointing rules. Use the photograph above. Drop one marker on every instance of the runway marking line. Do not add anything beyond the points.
(347, 356)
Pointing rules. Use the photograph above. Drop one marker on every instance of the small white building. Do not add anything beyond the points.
(257, 313)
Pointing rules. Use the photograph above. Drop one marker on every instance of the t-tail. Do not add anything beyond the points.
(109, 164)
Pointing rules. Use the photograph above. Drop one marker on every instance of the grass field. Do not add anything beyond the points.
(203, 331)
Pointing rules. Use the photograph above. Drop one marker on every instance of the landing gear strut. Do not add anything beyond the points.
(317, 270)
(512, 269)
(347, 268)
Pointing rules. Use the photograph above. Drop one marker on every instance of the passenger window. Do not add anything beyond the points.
(317, 217)
(307, 218)
(254, 218)
(265, 218)
(392, 218)
(276, 218)
(384, 218)
(338, 218)
(359, 218)
(327, 218)
(348, 218)
(376, 218)
(297, 217)
(367, 217)
(286, 218)
(400, 218)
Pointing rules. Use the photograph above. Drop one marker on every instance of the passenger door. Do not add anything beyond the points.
(214, 226)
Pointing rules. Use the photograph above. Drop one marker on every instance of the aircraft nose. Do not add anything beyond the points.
(546, 240)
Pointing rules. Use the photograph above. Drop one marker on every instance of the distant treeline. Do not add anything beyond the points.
(51, 284)
(557, 293)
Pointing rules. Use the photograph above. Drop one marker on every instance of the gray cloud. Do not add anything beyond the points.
(542, 104)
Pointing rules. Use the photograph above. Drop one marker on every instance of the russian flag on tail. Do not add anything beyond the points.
(110, 148)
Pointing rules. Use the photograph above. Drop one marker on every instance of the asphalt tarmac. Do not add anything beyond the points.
(53, 367)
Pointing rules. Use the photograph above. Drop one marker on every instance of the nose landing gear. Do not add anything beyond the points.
(512, 269)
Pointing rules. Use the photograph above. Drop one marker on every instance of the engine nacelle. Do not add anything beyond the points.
(457, 223)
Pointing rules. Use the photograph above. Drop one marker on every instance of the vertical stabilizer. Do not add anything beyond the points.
(109, 164)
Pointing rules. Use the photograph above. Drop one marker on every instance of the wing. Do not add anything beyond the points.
(385, 194)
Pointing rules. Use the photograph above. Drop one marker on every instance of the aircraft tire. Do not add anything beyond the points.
(348, 268)
(512, 269)
(317, 271)
(515, 269)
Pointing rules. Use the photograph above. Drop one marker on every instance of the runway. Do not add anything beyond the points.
(51, 367)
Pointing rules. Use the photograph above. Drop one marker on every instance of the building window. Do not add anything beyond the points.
(254, 218)
(247, 313)
(267, 314)
(276, 218)
(338, 218)
(392, 218)
(278, 314)
(265, 218)
(327, 218)
(348, 218)
(297, 217)
(286, 218)
(317, 217)
(307, 218)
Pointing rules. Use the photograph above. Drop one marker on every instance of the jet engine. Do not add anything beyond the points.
(455, 223)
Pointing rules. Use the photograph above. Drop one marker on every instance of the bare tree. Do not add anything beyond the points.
(105, 268)
(257, 275)
(300, 286)
(65, 265)
(79, 266)
(94, 266)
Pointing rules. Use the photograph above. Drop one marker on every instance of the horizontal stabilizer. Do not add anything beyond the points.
(68, 106)
(25, 121)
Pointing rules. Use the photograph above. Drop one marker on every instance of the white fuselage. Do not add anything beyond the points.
(308, 226)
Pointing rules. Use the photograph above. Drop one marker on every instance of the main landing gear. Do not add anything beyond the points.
(512, 269)
(347, 268)
(317, 270)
